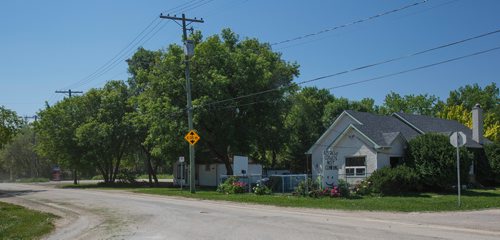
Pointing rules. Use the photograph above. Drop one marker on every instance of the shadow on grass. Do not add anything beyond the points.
(14, 193)
(481, 194)
(119, 185)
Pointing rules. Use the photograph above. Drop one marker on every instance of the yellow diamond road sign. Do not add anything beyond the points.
(192, 137)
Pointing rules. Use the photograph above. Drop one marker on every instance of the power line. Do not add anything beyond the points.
(385, 76)
(350, 24)
(130, 47)
(196, 5)
(376, 78)
(325, 37)
(417, 68)
(358, 68)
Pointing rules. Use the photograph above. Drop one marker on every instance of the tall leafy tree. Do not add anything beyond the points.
(337, 105)
(56, 130)
(469, 95)
(461, 101)
(105, 134)
(304, 124)
(20, 159)
(422, 104)
(10, 123)
(223, 67)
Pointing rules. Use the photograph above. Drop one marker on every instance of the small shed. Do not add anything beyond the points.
(211, 174)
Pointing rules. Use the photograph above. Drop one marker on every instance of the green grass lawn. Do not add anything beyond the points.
(143, 176)
(471, 199)
(17, 222)
(160, 176)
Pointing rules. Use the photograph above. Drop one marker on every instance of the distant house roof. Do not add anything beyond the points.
(426, 124)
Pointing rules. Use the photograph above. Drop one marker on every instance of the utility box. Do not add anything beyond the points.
(240, 166)
(189, 48)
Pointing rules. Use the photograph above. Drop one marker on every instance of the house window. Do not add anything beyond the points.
(355, 166)
(396, 161)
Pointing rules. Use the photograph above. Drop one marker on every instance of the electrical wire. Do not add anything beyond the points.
(358, 68)
(417, 68)
(112, 63)
(350, 23)
(379, 77)
(325, 37)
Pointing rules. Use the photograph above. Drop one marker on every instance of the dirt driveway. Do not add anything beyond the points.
(98, 214)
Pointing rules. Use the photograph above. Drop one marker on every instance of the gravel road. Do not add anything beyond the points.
(99, 214)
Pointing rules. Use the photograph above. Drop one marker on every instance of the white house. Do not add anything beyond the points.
(358, 143)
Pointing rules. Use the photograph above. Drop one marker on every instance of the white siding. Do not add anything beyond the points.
(397, 150)
(207, 174)
(210, 176)
(330, 136)
(354, 144)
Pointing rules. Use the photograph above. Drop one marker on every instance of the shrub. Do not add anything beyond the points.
(344, 188)
(434, 160)
(386, 180)
(308, 188)
(363, 188)
(493, 155)
(261, 189)
(126, 176)
(331, 192)
(231, 186)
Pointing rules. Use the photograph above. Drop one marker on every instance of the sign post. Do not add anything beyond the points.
(192, 138)
(458, 139)
(181, 161)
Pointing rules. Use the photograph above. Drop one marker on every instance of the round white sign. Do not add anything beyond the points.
(458, 139)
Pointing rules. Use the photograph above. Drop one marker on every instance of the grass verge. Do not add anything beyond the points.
(17, 222)
(31, 180)
(419, 202)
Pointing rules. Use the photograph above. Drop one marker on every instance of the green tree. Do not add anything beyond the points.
(56, 131)
(304, 124)
(139, 66)
(105, 134)
(20, 159)
(434, 159)
(422, 104)
(470, 95)
(493, 155)
(223, 67)
(460, 102)
(337, 105)
(10, 122)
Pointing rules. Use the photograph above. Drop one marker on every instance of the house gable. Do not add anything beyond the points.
(348, 130)
(336, 128)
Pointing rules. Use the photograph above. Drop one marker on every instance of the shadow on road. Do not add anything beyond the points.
(13, 193)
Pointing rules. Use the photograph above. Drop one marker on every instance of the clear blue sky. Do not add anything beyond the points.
(52, 45)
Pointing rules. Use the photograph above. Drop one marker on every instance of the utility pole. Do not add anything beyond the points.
(75, 172)
(69, 92)
(189, 47)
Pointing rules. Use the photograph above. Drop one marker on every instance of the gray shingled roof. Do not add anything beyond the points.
(382, 129)
(428, 124)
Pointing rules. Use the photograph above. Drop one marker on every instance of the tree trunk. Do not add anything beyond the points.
(75, 176)
(150, 171)
(155, 175)
(273, 159)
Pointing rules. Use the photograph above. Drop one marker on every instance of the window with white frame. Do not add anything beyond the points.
(355, 166)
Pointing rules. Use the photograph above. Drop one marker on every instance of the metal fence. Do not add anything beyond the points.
(286, 183)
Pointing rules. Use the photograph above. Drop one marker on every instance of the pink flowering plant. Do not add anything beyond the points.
(232, 185)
